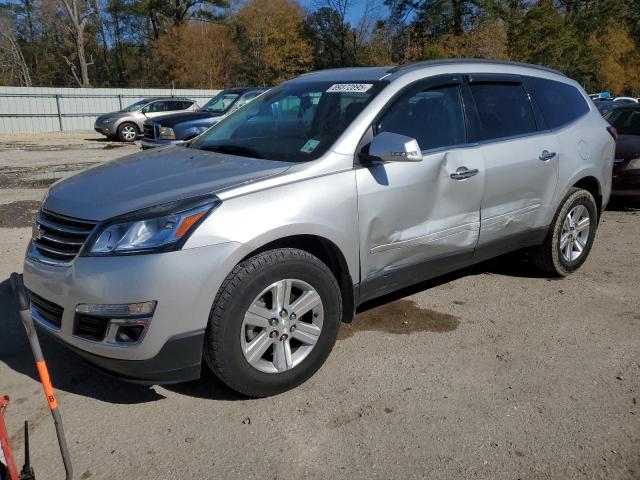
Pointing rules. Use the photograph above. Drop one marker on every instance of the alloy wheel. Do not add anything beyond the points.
(282, 326)
(129, 133)
(575, 233)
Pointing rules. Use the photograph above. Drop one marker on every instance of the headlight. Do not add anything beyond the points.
(167, 133)
(156, 229)
(634, 164)
(107, 120)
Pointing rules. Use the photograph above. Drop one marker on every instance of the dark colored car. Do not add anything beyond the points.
(606, 106)
(182, 127)
(626, 167)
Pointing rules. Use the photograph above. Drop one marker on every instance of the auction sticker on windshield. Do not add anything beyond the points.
(350, 87)
(310, 146)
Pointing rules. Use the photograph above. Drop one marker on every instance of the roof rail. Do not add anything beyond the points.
(458, 61)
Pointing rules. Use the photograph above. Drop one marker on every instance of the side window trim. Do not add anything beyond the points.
(493, 78)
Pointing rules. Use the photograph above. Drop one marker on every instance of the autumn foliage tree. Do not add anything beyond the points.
(219, 43)
(269, 36)
(200, 54)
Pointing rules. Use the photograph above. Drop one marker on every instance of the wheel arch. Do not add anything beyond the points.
(330, 254)
(591, 185)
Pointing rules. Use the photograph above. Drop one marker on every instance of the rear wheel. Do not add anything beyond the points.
(571, 235)
(273, 322)
(127, 132)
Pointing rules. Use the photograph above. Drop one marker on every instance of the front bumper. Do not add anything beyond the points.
(145, 143)
(105, 128)
(179, 360)
(184, 284)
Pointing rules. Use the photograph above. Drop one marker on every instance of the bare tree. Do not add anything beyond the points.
(341, 7)
(78, 23)
(11, 59)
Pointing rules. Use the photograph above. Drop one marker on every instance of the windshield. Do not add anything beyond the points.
(295, 122)
(626, 121)
(220, 103)
(135, 106)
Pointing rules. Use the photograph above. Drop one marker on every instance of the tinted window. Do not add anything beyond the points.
(433, 117)
(626, 120)
(504, 110)
(560, 103)
(162, 106)
(177, 105)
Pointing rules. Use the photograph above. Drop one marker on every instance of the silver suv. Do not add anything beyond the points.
(252, 245)
(127, 124)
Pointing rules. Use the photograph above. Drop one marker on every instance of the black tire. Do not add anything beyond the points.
(222, 350)
(548, 257)
(124, 129)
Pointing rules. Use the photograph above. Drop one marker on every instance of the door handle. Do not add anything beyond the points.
(546, 155)
(463, 172)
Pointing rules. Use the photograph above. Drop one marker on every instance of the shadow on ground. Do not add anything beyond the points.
(70, 373)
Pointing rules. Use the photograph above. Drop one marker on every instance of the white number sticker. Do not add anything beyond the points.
(350, 87)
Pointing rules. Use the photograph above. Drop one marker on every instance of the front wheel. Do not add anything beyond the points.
(571, 235)
(127, 132)
(273, 322)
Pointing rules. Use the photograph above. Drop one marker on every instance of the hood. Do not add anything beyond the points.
(171, 120)
(115, 115)
(151, 178)
(627, 146)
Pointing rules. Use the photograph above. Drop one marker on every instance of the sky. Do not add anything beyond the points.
(356, 9)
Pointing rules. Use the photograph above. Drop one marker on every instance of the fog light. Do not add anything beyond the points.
(129, 333)
(116, 324)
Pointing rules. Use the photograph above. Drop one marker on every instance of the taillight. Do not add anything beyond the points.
(613, 132)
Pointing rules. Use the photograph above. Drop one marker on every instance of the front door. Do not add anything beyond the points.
(418, 218)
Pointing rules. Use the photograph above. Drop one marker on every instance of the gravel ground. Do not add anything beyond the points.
(494, 372)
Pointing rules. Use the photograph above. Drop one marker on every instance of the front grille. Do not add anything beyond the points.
(149, 131)
(90, 327)
(49, 311)
(60, 238)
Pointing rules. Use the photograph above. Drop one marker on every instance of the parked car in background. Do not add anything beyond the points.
(600, 96)
(625, 100)
(626, 167)
(126, 124)
(179, 128)
(605, 106)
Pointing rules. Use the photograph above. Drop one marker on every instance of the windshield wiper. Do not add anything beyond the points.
(233, 150)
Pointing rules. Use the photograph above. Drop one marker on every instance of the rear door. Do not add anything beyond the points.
(520, 157)
(417, 218)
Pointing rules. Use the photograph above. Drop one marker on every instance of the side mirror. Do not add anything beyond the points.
(392, 147)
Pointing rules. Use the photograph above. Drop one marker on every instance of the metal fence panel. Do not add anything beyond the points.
(44, 109)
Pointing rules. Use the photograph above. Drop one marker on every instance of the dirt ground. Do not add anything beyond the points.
(494, 372)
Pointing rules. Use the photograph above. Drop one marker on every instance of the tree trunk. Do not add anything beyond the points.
(78, 23)
(82, 60)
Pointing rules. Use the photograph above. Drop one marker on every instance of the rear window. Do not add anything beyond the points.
(560, 103)
(504, 110)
